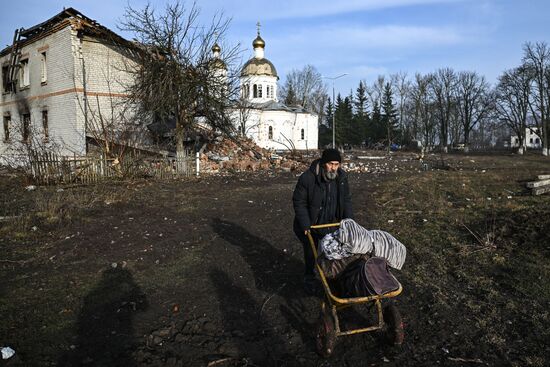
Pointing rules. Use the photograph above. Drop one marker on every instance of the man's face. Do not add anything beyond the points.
(332, 168)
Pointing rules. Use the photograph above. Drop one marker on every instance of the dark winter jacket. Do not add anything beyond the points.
(309, 193)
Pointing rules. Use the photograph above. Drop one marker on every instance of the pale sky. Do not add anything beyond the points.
(363, 38)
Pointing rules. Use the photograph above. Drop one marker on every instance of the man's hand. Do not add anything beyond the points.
(306, 231)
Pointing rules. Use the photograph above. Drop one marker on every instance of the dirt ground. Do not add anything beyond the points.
(207, 272)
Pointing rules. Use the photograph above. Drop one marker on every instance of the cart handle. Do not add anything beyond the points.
(318, 226)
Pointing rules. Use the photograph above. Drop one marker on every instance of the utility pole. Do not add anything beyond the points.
(334, 108)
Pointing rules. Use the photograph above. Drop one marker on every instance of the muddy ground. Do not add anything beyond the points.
(207, 272)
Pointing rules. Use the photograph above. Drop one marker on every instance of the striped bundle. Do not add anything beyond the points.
(351, 238)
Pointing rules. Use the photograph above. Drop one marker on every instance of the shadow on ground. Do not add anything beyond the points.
(277, 276)
(105, 331)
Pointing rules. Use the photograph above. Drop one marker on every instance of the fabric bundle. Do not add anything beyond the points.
(351, 239)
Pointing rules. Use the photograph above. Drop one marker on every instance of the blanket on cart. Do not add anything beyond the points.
(351, 239)
(367, 278)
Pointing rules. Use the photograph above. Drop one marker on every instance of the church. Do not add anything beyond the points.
(262, 117)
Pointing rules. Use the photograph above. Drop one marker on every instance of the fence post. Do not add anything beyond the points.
(197, 160)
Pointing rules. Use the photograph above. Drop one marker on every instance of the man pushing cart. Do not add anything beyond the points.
(352, 262)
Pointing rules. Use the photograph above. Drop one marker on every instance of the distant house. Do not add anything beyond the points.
(59, 79)
(532, 139)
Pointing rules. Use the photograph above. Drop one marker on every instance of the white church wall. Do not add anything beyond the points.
(287, 130)
(264, 81)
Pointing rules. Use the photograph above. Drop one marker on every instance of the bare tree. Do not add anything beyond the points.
(376, 91)
(245, 123)
(512, 101)
(537, 58)
(423, 116)
(29, 140)
(456, 134)
(443, 88)
(402, 86)
(173, 74)
(305, 88)
(474, 102)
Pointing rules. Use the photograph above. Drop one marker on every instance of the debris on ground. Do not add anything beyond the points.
(226, 155)
(7, 352)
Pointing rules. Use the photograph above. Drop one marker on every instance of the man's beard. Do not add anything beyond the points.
(331, 175)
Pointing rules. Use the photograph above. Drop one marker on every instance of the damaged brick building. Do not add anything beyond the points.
(59, 79)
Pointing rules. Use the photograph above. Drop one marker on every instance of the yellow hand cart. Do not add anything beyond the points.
(328, 329)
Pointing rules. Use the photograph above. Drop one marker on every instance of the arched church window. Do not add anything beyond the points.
(302, 134)
(255, 95)
(270, 133)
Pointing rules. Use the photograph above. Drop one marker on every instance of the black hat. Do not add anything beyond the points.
(330, 155)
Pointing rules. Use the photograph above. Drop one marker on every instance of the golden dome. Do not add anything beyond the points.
(258, 42)
(216, 48)
(217, 64)
(256, 66)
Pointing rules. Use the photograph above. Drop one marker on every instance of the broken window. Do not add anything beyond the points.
(270, 133)
(5, 78)
(26, 126)
(43, 68)
(25, 80)
(45, 125)
(7, 123)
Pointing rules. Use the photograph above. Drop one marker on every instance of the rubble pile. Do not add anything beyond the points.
(225, 155)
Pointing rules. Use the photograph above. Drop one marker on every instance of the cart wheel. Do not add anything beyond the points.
(394, 325)
(326, 335)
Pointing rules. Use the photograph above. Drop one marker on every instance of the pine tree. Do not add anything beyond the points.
(375, 131)
(290, 98)
(389, 115)
(325, 128)
(361, 116)
(339, 117)
(361, 100)
(347, 122)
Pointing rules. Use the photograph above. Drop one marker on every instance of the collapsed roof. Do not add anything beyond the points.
(74, 18)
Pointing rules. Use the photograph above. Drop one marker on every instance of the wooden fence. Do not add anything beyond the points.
(50, 169)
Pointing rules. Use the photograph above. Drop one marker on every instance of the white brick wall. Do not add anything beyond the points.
(56, 95)
(62, 94)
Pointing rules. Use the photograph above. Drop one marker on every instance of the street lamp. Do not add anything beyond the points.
(334, 107)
